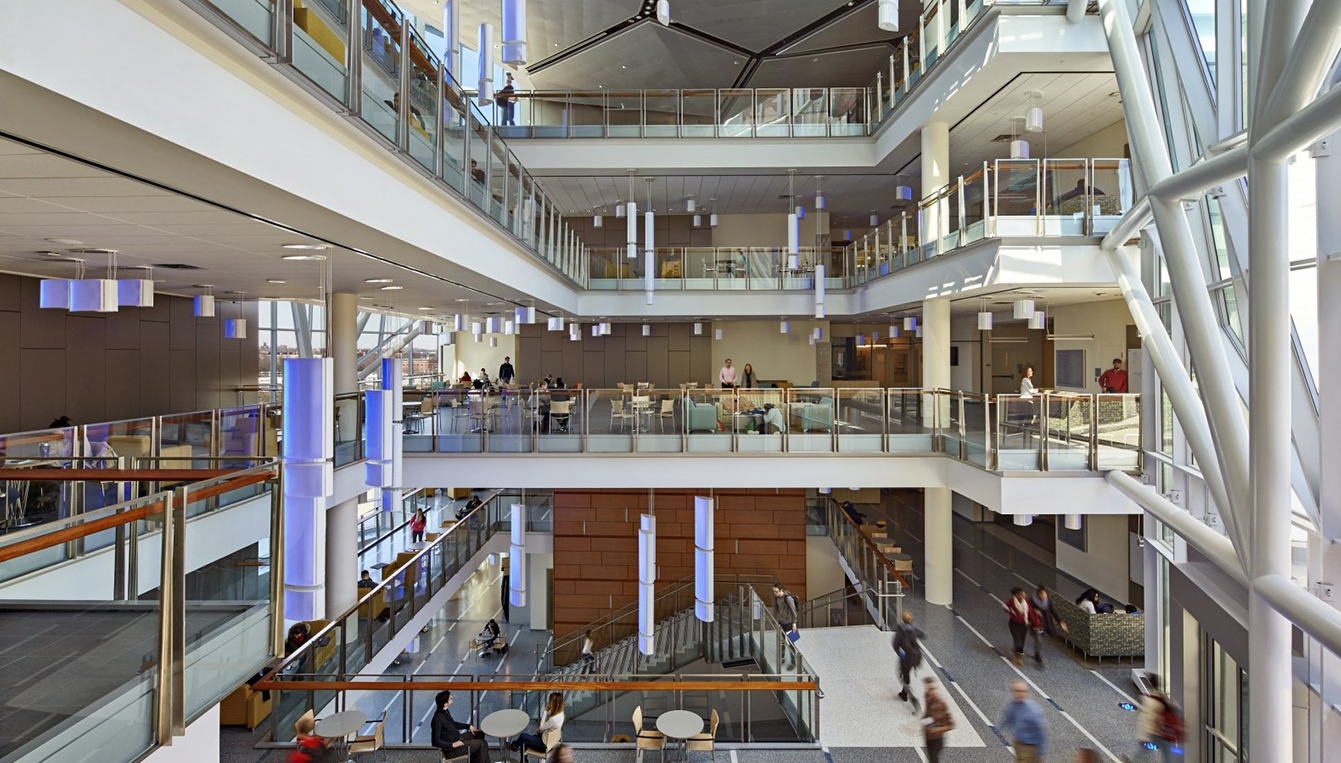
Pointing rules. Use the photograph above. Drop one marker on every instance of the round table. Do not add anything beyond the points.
(503, 725)
(419, 545)
(338, 727)
(679, 725)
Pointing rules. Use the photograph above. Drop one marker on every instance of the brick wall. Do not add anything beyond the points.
(758, 532)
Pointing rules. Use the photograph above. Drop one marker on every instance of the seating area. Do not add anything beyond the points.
(1116, 634)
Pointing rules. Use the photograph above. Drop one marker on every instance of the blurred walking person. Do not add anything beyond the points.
(908, 645)
(1023, 723)
(936, 721)
(1023, 618)
(1159, 726)
(1049, 621)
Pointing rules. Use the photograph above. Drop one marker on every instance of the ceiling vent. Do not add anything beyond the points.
(179, 266)
(1004, 137)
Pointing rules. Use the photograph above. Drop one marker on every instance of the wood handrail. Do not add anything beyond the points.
(645, 686)
(45, 474)
(869, 543)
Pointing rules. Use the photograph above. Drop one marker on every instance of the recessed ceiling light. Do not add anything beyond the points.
(274, 280)
(66, 241)
(377, 280)
(304, 257)
(365, 297)
(462, 299)
(392, 288)
(313, 247)
(425, 308)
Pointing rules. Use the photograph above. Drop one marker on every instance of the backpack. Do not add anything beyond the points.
(1171, 727)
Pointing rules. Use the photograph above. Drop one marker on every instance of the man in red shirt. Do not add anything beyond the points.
(1114, 379)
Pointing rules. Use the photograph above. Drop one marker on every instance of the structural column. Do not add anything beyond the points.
(935, 176)
(342, 519)
(938, 532)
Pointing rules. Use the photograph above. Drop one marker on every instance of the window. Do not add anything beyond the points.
(1202, 15)
(1225, 704)
(1165, 424)
(1221, 263)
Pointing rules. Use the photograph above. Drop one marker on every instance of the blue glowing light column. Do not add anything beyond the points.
(517, 556)
(309, 445)
(647, 578)
(385, 408)
(703, 562)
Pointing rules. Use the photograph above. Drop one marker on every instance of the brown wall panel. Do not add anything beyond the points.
(11, 401)
(757, 532)
(40, 329)
(86, 368)
(123, 383)
(11, 287)
(42, 387)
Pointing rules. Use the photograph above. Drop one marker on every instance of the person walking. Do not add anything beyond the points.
(1023, 723)
(418, 524)
(1049, 621)
(1022, 619)
(908, 645)
(1158, 725)
(506, 373)
(506, 594)
(588, 653)
(936, 720)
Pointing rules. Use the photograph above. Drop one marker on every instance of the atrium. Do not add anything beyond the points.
(827, 381)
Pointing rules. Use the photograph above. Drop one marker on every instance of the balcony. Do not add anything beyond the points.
(1005, 198)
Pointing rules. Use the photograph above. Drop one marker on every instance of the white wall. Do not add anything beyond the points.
(772, 354)
(823, 572)
(468, 355)
(964, 334)
(537, 588)
(1107, 321)
(1105, 565)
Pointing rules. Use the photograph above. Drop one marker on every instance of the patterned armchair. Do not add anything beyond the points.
(1116, 634)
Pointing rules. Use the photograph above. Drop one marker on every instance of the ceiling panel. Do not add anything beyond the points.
(854, 28)
(647, 56)
(850, 195)
(752, 24)
(847, 68)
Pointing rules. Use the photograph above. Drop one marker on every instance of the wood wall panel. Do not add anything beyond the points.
(624, 356)
(97, 367)
(757, 532)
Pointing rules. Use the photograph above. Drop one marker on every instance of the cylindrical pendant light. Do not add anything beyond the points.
(698, 221)
(619, 208)
(459, 322)
(649, 274)
(703, 559)
(647, 577)
(712, 220)
(514, 33)
(784, 327)
(1039, 320)
(690, 205)
(647, 329)
(1023, 520)
(517, 557)
(493, 325)
(717, 335)
(1022, 309)
(632, 229)
(874, 220)
(1033, 116)
(985, 321)
(698, 329)
(887, 17)
(598, 221)
(1071, 521)
(818, 333)
(910, 323)
(493, 341)
(486, 65)
(819, 291)
(663, 12)
(793, 234)
(893, 330)
(800, 211)
(1019, 149)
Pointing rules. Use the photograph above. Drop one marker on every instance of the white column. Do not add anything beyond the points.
(938, 519)
(1326, 555)
(935, 176)
(342, 550)
(537, 593)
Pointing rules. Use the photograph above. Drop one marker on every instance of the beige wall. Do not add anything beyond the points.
(1105, 564)
(773, 355)
(465, 354)
(1108, 143)
(671, 355)
(964, 334)
(1107, 320)
(760, 230)
(96, 367)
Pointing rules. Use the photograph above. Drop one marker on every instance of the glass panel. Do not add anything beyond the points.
(514, 422)
(184, 436)
(453, 137)
(320, 42)
(498, 179)
(763, 267)
(810, 112)
(735, 113)
(423, 101)
(758, 419)
(255, 16)
(1202, 15)
(772, 118)
(1118, 422)
(624, 114)
(860, 419)
(1111, 193)
(1068, 197)
(662, 113)
(810, 418)
(586, 116)
(1069, 426)
(381, 67)
(1016, 189)
(707, 413)
(698, 113)
(911, 421)
(545, 113)
(560, 420)
(609, 420)
(847, 111)
(477, 147)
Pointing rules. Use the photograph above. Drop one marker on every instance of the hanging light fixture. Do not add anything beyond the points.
(574, 332)
(784, 327)
(492, 325)
(236, 328)
(619, 208)
(493, 341)
(96, 295)
(698, 329)
(136, 292)
(910, 323)
(819, 291)
(1071, 521)
(888, 15)
(647, 577)
(509, 327)
(530, 316)
(632, 238)
(875, 220)
(984, 317)
(663, 12)
(649, 249)
(1033, 116)
(556, 323)
(690, 205)
(893, 330)
(517, 556)
(486, 65)
(204, 303)
(514, 34)
(820, 201)
(459, 322)
(1023, 520)
(717, 335)
(793, 226)
(818, 333)
(1038, 321)
(1019, 148)
(712, 210)
(598, 221)
(1022, 309)
(703, 559)
(647, 329)
(698, 221)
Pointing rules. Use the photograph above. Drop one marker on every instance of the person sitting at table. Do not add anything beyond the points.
(415, 116)
(551, 719)
(470, 506)
(454, 737)
(465, 378)
(475, 172)
(366, 581)
(773, 421)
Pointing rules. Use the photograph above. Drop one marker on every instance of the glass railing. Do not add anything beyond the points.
(161, 635)
(884, 573)
(380, 72)
(1045, 432)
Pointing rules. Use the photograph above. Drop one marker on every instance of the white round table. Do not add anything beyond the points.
(503, 725)
(679, 725)
(338, 727)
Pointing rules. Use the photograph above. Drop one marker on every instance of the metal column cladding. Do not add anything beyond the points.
(647, 577)
(517, 557)
(309, 444)
(703, 561)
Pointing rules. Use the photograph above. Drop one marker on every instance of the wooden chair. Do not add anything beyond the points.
(552, 738)
(371, 743)
(306, 720)
(646, 740)
(705, 742)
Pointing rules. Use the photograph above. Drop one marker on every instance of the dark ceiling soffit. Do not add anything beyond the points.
(815, 26)
(584, 45)
(747, 72)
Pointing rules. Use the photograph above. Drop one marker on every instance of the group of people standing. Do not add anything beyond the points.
(729, 378)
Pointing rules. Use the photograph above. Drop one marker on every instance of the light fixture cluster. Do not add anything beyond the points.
(96, 295)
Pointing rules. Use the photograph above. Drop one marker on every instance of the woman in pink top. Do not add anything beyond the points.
(418, 523)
